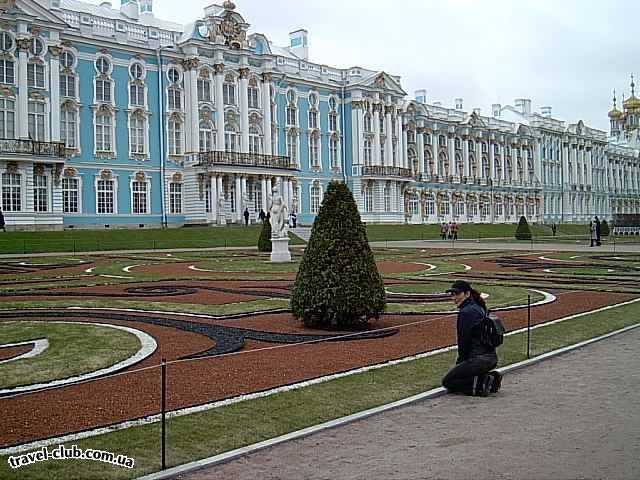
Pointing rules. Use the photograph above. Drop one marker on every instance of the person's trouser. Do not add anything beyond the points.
(468, 374)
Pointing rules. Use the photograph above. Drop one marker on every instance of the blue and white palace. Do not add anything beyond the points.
(112, 118)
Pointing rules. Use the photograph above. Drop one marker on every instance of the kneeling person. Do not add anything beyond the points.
(473, 373)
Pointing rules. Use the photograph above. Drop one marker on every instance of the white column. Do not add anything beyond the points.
(376, 160)
(219, 81)
(23, 92)
(389, 144)
(525, 165)
(503, 159)
(238, 199)
(465, 157)
(435, 151)
(266, 111)
(244, 110)
(492, 169)
(402, 142)
(452, 156)
(264, 193)
(54, 90)
(194, 109)
(478, 158)
(420, 147)
(289, 194)
(537, 162)
(213, 181)
(243, 184)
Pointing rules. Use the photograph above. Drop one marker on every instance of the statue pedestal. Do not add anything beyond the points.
(280, 250)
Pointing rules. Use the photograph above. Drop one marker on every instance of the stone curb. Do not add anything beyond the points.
(434, 393)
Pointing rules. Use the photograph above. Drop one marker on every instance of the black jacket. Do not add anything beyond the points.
(469, 343)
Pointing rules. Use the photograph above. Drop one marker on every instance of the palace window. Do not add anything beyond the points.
(292, 115)
(40, 193)
(430, 205)
(136, 71)
(207, 138)
(6, 41)
(36, 121)
(11, 192)
(70, 195)
(230, 138)
(103, 90)
(175, 137)
(314, 157)
(7, 71)
(175, 198)
(367, 194)
(174, 98)
(333, 122)
(445, 207)
(67, 85)
(313, 119)
(382, 151)
(103, 65)
(69, 127)
(315, 198)
(381, 124)
(367, 152)
(67, 59)
(139, 197)
(367, 123)
(104, 132)
(204, 90)
(105, 196)
(333, 152)
(459, 208)
(7, 118)
(35, 75)
(136, 94)
(137, 128)
(387, 198)
(255, 141)
(253, 93)
(499, 209)
(292, 146)
(229, 91)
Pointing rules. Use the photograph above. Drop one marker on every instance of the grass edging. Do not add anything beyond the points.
(240, 425)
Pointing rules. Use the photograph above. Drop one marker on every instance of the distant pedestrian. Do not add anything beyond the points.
(450, 230)
(554, 227)
(473, 373)
(593, 233)
(444, 229)
(246, 216)
(294, 219)
(455, 227)
(598, 232)
(262, 215)
(2, 224)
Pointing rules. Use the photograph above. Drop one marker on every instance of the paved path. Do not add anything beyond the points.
(505, 246)
(572, 417)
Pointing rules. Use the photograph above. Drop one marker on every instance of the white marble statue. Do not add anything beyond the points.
(279, 216)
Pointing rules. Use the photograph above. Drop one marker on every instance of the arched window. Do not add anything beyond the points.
(69, 125)
(104, 131)
(230, 137)
(333, 153)
(253, 93)
(7, 118)
(367, 123)
(204, 87)
(443, 164)
(333, 115)
(413, 160)
(315, 198)
(292, 146)
(175, 135)
(459, 165)
(314, 150)
(229, 90)
(367, 197)
(137, 129)
(368, 152)
(430, 205)
(255, 140)
(207, 137)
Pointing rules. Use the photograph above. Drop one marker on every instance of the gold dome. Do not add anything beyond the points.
(631, 103)
(615, 113)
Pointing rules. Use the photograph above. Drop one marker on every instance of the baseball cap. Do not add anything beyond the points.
(459, 286)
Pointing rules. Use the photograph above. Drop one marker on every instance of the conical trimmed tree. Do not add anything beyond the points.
(264, 242)
(338, 285)
(523, 232)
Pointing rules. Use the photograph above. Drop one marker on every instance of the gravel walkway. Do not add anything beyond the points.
(569, 418)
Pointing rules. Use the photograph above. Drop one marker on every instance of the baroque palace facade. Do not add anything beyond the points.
(111, 117)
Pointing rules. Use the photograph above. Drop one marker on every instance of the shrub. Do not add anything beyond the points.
(604, 229)
(523, 232)
(264, 242)
(338, 285)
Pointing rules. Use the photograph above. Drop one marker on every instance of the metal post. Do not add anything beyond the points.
(528, 327)
(163, 369)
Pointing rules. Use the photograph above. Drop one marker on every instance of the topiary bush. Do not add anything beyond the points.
(338, 285)
(264, 242)
(604, 229)
(523, 232)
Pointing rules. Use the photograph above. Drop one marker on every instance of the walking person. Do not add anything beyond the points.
(294, 219)
(2, 223)
(473, 373)
(593, 234)
(246, 217)
(450, 230)
(553, 229)
(456, 227)
(598, 232)
(262, 216)
(443, 231)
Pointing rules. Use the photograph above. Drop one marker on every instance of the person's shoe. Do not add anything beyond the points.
(497, 381)
(483, 385)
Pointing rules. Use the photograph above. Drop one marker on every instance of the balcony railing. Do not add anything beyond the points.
(236, 159)
(386, 171)
(31, 147)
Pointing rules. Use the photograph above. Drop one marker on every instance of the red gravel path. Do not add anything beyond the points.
(10, 352)
(109, 400)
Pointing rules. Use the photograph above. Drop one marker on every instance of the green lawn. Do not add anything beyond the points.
(73, 350)
(215, 431)
(142, 239)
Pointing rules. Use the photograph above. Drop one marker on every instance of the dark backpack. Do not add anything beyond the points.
(492, 330)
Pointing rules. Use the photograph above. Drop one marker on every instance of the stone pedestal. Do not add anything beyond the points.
(280, 250)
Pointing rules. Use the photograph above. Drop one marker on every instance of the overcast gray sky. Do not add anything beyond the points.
(569, 54)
